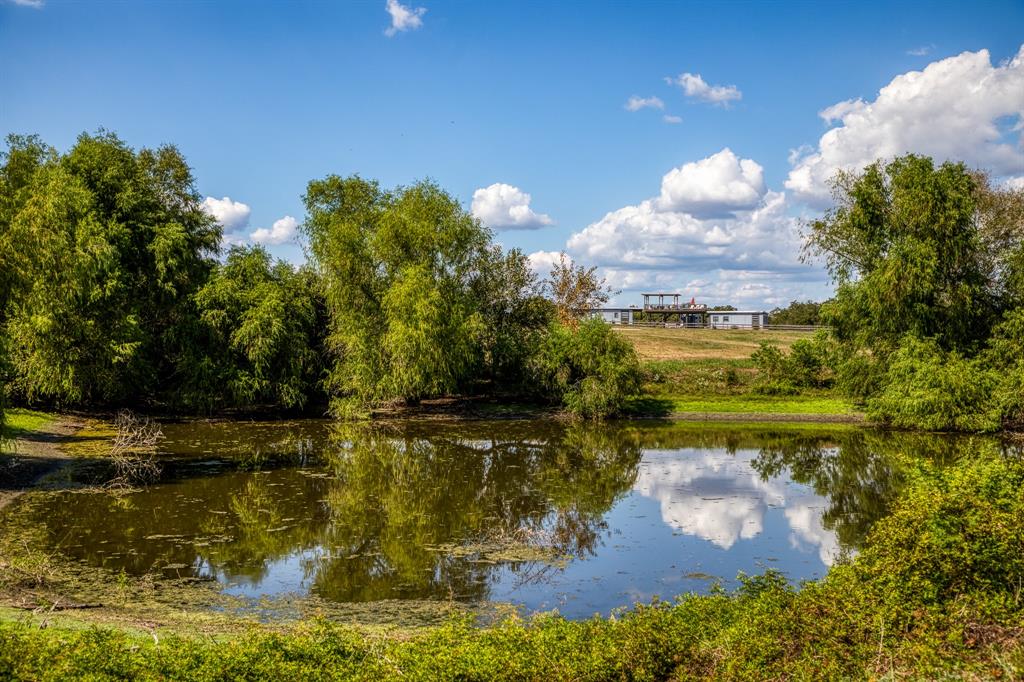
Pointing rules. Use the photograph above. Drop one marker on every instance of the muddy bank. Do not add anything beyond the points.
(29, 460)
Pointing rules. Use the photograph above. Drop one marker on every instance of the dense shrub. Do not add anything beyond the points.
(589, 369)
(781, 374)
(928, 388)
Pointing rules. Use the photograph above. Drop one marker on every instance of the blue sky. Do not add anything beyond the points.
(531, 98)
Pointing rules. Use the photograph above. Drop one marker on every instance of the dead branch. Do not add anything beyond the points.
(133, 451)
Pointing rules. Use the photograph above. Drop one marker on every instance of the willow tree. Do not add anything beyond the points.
(19, 245)
(927, 261)
(263, 320)
(904, 246)
(120, 243)
(409, 278)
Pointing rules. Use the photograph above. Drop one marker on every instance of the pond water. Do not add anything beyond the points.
(583, 518)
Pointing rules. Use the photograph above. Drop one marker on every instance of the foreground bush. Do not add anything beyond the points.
(936, 592)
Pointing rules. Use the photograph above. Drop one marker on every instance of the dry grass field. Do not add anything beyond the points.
(668, 343)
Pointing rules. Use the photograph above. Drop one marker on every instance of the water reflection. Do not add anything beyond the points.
(581, 517)
(715, 496)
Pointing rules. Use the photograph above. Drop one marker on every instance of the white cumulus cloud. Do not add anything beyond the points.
(715, 186)
(695, 86)
(713, 231)
(636, 103)
(506, 207)
(541, 262)
(281, 231)
(403, 18)
(960, 108)
(669, 118)
(35, 4)
(232, 215)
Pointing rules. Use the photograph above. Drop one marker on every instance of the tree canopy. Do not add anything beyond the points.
(797, 313)
(928, 262)
(263, 319)
(903, 245)
(120, 243)
(421, 302)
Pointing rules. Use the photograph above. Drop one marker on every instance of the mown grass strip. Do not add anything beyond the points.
(750, 403)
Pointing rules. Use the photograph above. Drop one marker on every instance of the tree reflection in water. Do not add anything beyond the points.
(361, 512)
(398, 495)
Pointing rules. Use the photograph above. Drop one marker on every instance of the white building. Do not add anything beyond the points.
(737, 319)
(613, 315)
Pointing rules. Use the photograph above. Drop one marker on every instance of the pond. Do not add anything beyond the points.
(582, 518)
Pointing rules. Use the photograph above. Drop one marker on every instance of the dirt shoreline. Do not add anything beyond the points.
(35, 457)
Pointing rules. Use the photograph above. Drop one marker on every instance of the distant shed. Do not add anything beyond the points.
(737, 319)
(613, 315)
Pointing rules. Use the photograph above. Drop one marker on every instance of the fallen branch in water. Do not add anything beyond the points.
(133, 451)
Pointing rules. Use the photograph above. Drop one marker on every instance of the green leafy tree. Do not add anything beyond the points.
(19, 243)
(263, 318)
(515, 316)
(411, 281)
(797, 313)
(930, 266)
(124, 243)
(903, 245)
(1000, 219)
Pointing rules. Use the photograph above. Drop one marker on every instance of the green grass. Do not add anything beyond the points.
(934, 593)
(694, 382)
(753, 403)
(18, 421)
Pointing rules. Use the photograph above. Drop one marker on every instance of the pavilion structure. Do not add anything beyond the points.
(668, 307)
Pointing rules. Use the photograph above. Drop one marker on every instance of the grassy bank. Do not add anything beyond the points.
(752, 403)
(693, 372)
(934, 593)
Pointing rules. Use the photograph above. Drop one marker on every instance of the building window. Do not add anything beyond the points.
(714, 318)
(615, 315)
(725, 318)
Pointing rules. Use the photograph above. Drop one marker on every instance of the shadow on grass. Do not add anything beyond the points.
(648, 408)
(33, 436)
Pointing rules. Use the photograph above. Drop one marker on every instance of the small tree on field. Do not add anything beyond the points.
(575, 290)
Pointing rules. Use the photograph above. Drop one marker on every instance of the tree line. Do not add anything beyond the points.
(114, 290)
